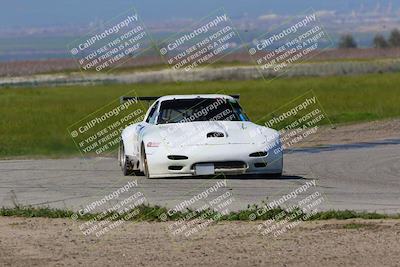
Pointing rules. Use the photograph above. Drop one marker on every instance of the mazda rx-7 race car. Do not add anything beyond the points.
(193, 135)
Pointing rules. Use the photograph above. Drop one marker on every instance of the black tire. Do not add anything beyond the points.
(144, 162)
(126, 168)
(124, 162)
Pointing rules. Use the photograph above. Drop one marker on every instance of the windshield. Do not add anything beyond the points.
(200, 109)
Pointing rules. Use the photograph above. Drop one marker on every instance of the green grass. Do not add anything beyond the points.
(34, 121)
(146, 213)
(349, 214)
(154, 213)
(354, 226)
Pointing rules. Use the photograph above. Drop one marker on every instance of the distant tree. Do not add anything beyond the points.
(380, 41)
(347, 41)
(394, 39)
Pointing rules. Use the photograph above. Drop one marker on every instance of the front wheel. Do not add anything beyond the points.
(145, 165)
(124, 162)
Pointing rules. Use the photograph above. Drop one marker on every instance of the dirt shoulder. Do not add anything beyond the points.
(354, 133)
(42, 241)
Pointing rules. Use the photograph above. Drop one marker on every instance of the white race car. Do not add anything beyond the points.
(193, 135)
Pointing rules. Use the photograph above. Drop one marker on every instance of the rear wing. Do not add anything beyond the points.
(154, 98)
(138, 98)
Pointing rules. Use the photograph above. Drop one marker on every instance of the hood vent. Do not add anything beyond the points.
(258, 154)
(215, 134)
(177, 157)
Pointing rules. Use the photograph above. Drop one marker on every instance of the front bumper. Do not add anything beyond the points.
(225, 156)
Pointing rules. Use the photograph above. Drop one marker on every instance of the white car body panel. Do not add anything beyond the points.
(228, 154)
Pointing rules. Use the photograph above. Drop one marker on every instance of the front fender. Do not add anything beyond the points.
(129, 138)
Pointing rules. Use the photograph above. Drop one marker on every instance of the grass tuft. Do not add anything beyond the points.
(149, 213)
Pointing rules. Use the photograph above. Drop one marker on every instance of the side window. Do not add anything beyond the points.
(152, 114)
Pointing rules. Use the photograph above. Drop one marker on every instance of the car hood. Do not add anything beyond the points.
(215, 133)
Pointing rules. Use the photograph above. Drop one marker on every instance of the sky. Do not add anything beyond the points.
(38, 13)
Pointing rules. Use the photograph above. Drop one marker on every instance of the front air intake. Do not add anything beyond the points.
(260, 164)
(175, 168)
(258, 154)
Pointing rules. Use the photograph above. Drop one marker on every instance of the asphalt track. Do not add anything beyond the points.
(364, 177)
